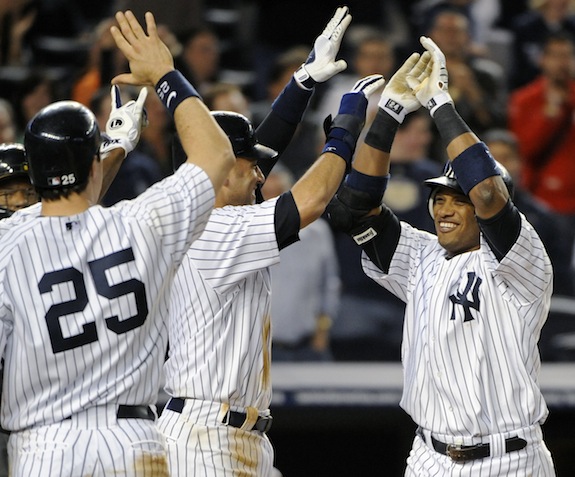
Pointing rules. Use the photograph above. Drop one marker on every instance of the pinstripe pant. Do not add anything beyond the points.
(532, 461)
(92, 443)
(200, 445)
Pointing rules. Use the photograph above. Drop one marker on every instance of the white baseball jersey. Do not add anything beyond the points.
(84, 300)
(471, 328)
(220, 309)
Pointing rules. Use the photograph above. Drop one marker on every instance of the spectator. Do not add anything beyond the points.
(302, 310)
(541, 116)
(138, 170)
(227, 97)
(16, 18)
(530, 31)
(551, 227)
(476, 84)
(200, 57)
(32, 94)
(7, 123)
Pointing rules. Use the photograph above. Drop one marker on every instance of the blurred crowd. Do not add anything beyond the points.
(512, 77)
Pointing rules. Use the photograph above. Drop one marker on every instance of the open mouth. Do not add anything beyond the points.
(446, 226)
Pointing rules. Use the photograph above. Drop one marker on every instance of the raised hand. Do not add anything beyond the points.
(125, 123)
(429, 79)
(321, 64)
(147, 54)
(397, 98)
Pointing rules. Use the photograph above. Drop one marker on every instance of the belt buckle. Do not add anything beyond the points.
(268, 424)
(456, 453)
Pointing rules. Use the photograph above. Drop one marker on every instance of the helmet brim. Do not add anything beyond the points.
(259, 152)
(443, 181)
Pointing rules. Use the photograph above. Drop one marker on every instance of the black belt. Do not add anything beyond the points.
(232, 418)
(459, 453)
(133, 412)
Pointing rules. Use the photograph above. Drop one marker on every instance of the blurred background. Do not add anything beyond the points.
(336, 367)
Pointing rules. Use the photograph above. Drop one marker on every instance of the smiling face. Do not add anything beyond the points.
(455, 222)
(242, 182)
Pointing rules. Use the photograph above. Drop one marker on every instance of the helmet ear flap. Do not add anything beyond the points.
(430, 202)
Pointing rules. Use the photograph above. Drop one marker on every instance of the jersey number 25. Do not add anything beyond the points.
(98, 270)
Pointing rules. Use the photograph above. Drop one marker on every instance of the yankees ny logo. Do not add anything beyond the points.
(473, 282)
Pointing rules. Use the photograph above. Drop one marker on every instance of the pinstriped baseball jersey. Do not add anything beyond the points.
(85, 300)
(469, 352)
(220, 310)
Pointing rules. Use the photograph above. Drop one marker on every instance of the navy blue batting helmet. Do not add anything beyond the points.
(61, 142)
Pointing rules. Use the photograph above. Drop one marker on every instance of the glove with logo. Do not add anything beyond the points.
(321, 64)
(125, 123)
(397, 98)
(428, 79)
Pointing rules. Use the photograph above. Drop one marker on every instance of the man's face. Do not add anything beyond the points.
(242, 182)
(17, 193)
(455, 223)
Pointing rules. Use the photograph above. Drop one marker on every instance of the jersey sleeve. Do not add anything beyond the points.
(177, 208)
(237, 241)
(408, 253)
(525, 271)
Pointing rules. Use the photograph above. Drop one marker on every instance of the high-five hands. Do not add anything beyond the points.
(397, 98)
(428, 79)
(125, 123)
(321, 64)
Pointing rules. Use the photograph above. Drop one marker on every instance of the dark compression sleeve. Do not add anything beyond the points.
(287, 220)
(502, 230)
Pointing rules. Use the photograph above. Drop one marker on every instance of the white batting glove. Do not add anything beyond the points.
(125, 123)
(321, 64)
(429, 79)
(397, 99)
(368, 85)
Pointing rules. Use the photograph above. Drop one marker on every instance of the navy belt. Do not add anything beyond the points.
(133, 412)
(459, 453)
(232, 418)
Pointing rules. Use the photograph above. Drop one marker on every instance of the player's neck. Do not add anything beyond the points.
(72, 205)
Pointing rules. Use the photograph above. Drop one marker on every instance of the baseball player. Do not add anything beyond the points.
(84, 289)
(218, 371)
(477, 294)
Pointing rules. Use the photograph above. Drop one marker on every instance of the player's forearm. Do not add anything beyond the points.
(111, 166)
(318, 185)
(203, 141)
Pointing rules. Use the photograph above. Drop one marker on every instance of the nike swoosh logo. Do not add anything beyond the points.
(171, 96)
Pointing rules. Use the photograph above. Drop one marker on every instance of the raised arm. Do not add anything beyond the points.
(151, 63)
(317, 186)
(279, 126)
(473, 165)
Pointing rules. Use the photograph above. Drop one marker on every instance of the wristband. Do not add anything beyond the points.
(340, 142)
(473, 166)
(173, 88)
(449, 123)
(382, 131)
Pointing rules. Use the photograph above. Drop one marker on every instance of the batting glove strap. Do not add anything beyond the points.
(437, 101)
(173, 88)
(304, 79)
(109, 144)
